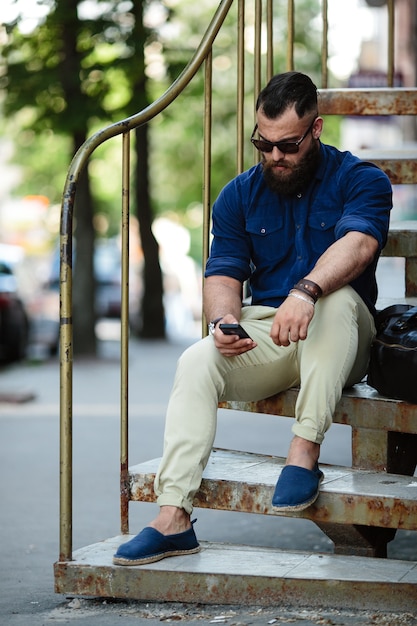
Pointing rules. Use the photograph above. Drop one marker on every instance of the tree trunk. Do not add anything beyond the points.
(84, 316)
(152, 316)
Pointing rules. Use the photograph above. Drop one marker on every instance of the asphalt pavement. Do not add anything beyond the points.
(29, 489)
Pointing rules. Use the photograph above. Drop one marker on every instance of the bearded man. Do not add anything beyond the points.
(305, 228)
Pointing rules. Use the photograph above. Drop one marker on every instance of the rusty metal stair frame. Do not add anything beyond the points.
(244, 481)
(402, 242)
(234, 573)
(241, 575)
(384, 430)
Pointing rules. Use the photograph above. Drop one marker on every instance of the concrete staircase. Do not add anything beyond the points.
(236, 574)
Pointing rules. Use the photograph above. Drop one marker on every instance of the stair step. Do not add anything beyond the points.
(244, 481)
(402, 239)
(234, 574)
(368, 101)
(399, 165)
(353, 409)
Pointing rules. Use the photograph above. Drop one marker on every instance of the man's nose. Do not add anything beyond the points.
(277, 154)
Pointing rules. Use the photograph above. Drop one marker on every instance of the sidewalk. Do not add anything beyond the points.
(29, 470)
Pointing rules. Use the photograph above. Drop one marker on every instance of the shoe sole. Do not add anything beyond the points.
(118, 560)
(295, 507)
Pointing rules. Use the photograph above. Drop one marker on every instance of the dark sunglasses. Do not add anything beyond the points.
(287, 147)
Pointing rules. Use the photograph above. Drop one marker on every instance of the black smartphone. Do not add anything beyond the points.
(234, 329)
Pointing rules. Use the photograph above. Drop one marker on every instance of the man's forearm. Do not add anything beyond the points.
(344, 261)
(222, 296)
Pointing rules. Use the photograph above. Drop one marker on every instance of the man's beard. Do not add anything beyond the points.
(297, 177)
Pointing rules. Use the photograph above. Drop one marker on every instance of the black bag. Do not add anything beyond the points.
(393, 360)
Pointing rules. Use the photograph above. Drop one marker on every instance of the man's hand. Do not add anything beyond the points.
(291, 321)
(231, 345)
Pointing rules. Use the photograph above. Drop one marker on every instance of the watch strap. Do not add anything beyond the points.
(212, 324)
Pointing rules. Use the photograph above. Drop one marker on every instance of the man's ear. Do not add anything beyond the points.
(318, 127)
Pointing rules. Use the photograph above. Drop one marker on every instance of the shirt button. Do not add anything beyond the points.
(263, 231)
(323, 224)
(299, 195)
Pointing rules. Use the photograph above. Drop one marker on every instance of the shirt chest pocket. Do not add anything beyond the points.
(269, 239)
(322, 226)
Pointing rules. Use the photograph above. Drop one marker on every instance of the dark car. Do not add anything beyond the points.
(14, 322)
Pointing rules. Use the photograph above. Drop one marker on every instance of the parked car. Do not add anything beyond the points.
(44, 307)
(108, 279)
(14, 321)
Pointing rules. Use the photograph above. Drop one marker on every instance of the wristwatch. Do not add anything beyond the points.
(212, 324)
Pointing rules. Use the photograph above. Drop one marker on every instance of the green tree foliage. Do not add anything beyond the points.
(43, 77)
(68, 74)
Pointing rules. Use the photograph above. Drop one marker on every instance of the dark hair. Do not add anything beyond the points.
(285, 90)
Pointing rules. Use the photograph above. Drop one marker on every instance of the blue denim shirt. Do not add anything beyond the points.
(275, 240)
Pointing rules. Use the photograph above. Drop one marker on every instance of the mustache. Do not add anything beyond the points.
(281, 163)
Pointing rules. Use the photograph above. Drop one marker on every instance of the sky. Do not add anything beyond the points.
(30, 8)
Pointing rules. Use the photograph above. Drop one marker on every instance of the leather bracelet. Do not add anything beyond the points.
(309, 288)
(308, 293)
(300, 297)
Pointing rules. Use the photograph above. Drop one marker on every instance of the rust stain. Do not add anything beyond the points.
(234, 588)
(368, 102)
(354, 409)
(400, 172)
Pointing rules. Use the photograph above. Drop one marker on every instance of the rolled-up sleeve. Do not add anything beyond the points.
(230, 248)
(368, 202)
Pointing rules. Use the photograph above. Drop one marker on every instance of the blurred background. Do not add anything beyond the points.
(69, 68)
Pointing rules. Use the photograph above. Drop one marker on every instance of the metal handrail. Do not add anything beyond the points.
(65, 342)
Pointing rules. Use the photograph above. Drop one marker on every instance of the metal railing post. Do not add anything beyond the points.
(124, 342)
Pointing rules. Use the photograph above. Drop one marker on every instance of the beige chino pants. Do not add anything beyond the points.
(333, 356)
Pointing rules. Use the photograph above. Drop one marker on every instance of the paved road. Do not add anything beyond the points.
(29, 474)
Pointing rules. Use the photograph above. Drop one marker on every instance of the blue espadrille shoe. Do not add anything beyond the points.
(150, 545)
(297, 488)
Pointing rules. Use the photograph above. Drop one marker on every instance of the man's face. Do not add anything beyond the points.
(284, 172)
